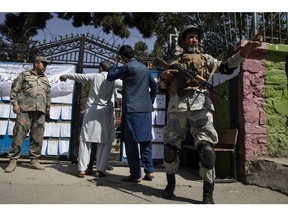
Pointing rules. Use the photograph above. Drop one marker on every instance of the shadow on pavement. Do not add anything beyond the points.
(64, 168)
(132, 188)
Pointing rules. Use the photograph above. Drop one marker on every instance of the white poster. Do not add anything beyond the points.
(10, 70)
(4, 110)
(3, 127)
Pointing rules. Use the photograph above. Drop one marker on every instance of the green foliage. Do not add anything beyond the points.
(84, 93)
(117, 23)
(19, 27)
(85, 90)
(140, 49)
(109, 22)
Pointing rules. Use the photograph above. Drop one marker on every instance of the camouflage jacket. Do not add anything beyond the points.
(31, 92)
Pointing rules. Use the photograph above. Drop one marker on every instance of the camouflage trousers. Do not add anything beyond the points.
(200, 124)
(33, 121)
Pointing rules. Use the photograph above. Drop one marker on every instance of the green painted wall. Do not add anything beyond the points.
(222, 113)
(276, 99)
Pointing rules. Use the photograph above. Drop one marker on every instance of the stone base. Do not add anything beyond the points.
(271, 173)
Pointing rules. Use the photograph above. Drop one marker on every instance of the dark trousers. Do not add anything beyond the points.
(137, 130)
(134, 159)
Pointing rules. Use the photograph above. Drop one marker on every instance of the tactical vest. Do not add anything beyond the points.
(190, 61)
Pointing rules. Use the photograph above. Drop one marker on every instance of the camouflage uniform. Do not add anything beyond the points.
(190, 107)
(33, 95)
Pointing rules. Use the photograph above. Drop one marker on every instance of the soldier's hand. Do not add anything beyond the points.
(16, 109)
(249, 47)
(168, 74)
(259, 35)
(63, 78)
(255, 42)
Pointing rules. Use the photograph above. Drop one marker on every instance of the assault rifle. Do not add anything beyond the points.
(188, 74)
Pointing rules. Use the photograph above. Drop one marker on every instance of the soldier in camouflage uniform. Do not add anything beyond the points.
(190, 107)
(31, 99)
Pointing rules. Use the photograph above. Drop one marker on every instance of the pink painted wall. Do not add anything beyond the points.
(251, 115)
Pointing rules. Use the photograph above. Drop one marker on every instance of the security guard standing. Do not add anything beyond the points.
(191, 107)
(31, 99)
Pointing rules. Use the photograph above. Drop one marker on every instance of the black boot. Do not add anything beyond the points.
(208, 189)
(168, 192)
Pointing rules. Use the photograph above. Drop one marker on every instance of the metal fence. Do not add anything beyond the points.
(225, 30)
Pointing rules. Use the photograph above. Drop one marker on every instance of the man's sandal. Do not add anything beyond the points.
(80, 174)
(99, 174)
(148, 177)
(130, 179)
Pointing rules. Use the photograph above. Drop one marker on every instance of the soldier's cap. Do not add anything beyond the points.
(42, 59)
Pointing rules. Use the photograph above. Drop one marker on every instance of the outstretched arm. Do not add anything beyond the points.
(228, 67)
(81, 78)
(252, 44)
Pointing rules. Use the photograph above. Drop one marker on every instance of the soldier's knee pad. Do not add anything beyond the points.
(170, 153)
(207, 155)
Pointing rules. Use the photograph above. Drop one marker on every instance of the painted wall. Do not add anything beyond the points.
(276, 100)
(262, 105)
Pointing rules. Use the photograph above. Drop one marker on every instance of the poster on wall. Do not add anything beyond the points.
(61, 91)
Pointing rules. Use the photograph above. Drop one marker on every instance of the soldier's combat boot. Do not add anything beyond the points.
(168, 192)
(11, 166)
(34, 164)
(208, 189)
